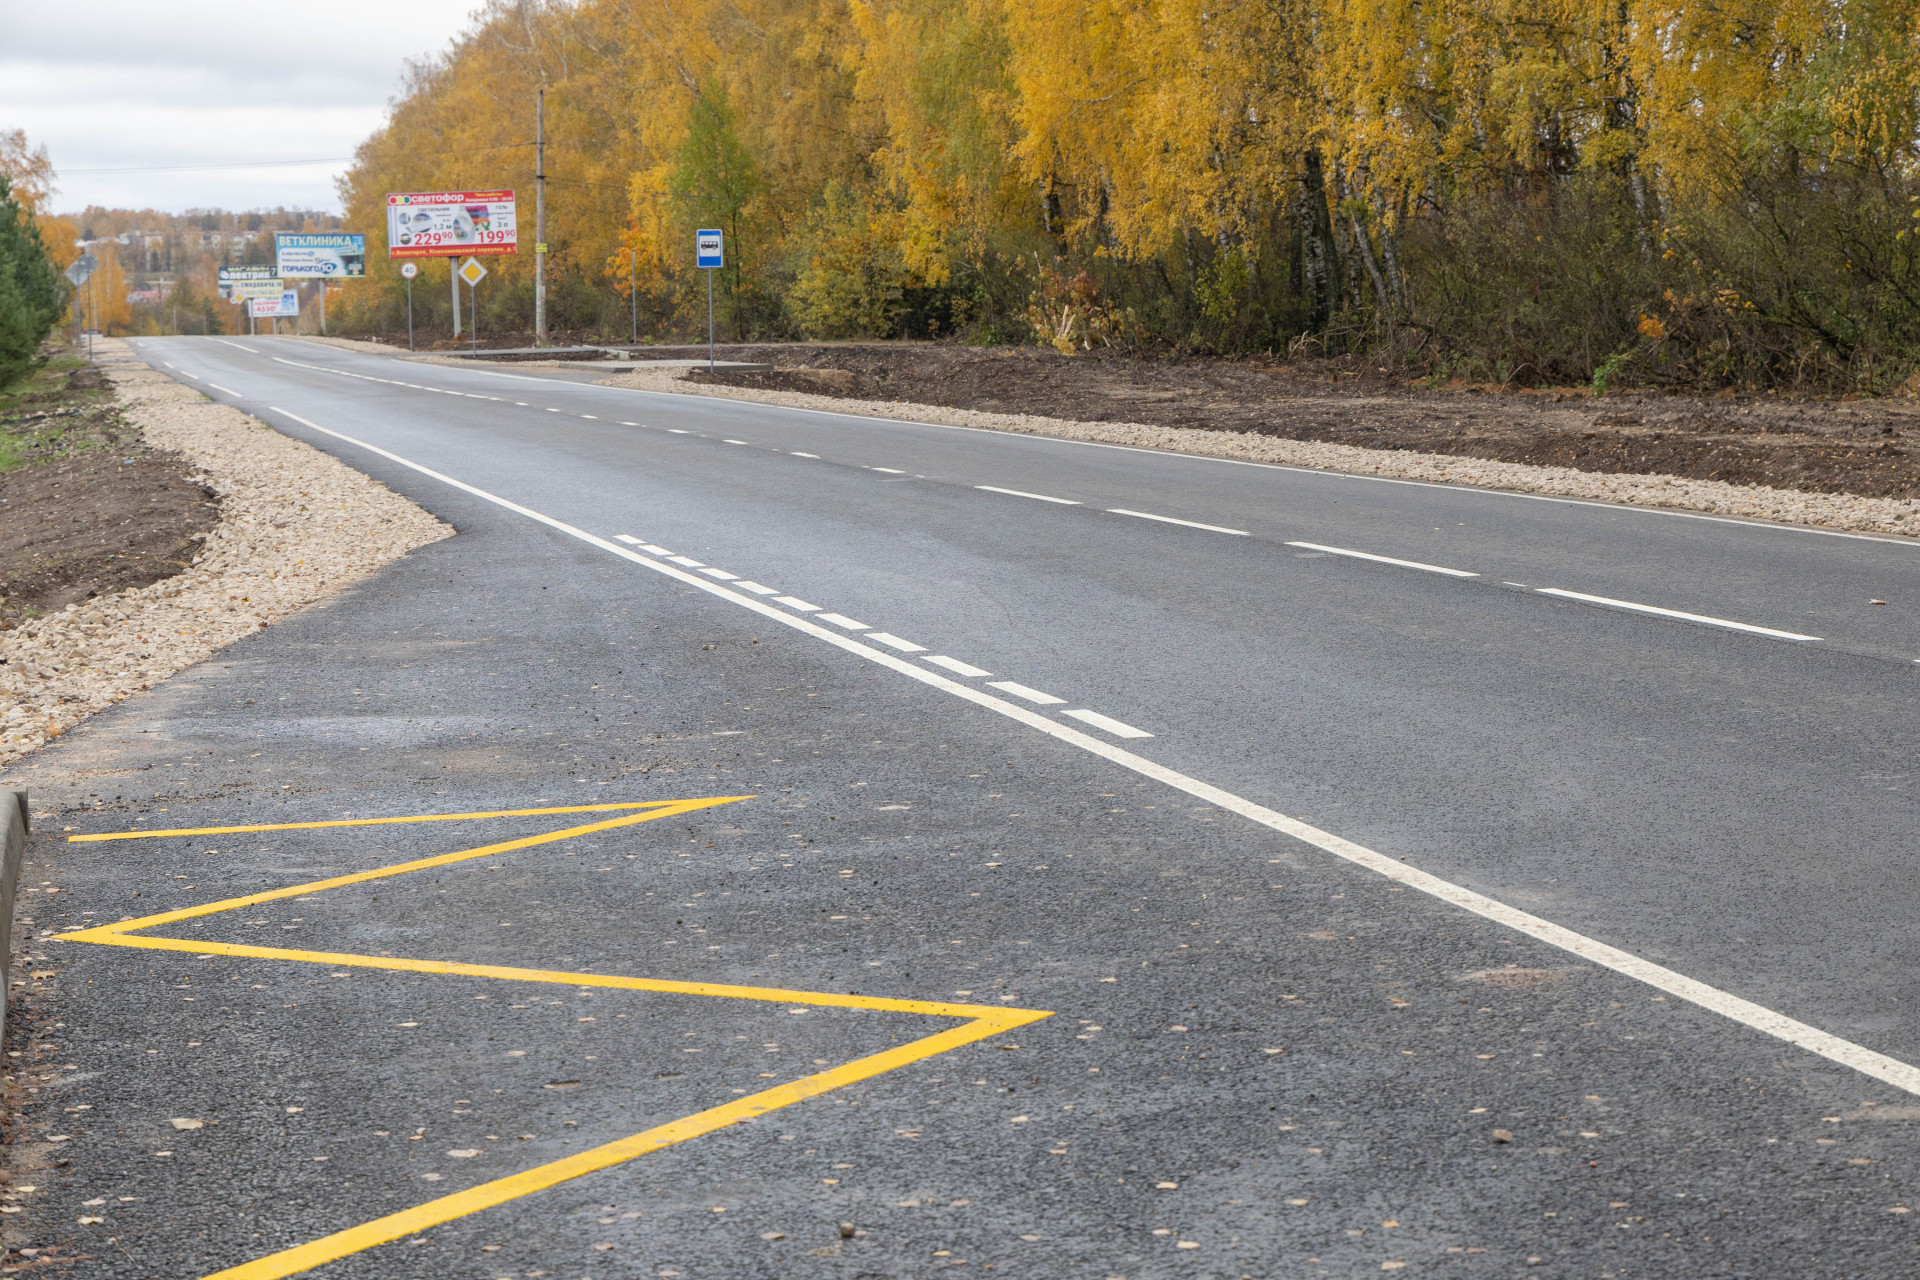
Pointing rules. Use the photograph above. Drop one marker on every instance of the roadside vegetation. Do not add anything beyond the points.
(1575, 191)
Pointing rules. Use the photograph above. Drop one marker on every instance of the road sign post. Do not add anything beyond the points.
(473, 273)
(81, 272)
(709, 256)
(409, 270)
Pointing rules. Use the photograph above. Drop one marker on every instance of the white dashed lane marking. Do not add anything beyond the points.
(904, 646)
(958, 667)
(1019, 690)
(1115, 727)
(793, 603)
(1367, 555)
(1191, 524)
(1021, 493)
(842, 620)
(1701, 618)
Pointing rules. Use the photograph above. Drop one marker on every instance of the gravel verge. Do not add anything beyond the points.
(295, 526)
(1899, 516)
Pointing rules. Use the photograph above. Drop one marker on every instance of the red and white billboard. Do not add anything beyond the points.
(440, 224)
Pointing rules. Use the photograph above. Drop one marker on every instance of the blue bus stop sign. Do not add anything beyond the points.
(706, 249)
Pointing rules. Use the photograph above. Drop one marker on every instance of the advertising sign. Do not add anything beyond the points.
(320, 255)
(706, 249)
(229, 274)
(286, 304)
(252, 289)
(434, 224)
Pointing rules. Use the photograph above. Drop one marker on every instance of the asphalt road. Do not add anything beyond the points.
(1298, 946)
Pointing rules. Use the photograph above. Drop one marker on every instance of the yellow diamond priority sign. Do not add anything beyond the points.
(472, 272)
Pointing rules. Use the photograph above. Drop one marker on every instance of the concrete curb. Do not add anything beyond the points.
(14, 828)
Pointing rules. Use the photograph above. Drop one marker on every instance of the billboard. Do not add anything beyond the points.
(434, 224)
(252, 288)
(320, 255)
(230, 274)
(286, 304)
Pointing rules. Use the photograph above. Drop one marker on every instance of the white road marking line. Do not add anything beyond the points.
(842, 620)
(1868, 1062)
(629, 424)
(794, 603)
(798, 454)
(956, 666)
(675, 431)
(522, 404)
(1117, 728)
(659, 551)
(249, 350)
(892, 471)
(721, 574)
(1021, 493)
(756, 588)
(194, 376)
(904, 646)
(726, 441)
(691, 564)
(1019, 690)
(1191, 524)
(1674, 613)
(549, 410)
(588, 416)
(217, 387)
(629, 539)
(1404, 564)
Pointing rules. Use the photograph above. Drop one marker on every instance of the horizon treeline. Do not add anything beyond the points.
(1599, 191)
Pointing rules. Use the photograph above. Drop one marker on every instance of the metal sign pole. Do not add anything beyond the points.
(323, 306)
(453, 270)
(709, 319)
(633, 293)
(409, 313)
(473, 297)
(94, 307)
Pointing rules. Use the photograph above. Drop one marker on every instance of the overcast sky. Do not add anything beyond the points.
(115, 85)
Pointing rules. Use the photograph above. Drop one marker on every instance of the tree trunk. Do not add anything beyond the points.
(1319, 259)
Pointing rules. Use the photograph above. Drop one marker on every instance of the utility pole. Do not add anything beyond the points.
(633, 292)
(540, 220)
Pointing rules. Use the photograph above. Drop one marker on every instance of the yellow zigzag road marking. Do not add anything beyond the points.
(984, 1021)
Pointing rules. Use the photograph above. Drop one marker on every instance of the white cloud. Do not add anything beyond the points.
(213, 82)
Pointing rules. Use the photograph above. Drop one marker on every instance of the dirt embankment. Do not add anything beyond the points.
(87, 508)
(1866, 447)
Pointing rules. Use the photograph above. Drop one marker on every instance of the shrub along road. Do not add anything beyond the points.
(994, 727)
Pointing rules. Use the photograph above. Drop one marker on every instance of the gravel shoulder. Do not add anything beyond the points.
(294, 527)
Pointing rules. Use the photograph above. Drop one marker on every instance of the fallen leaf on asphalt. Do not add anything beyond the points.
(602, 1247)
(85, 1221)
(182, 1123)
(1186, 1244)
(1296, 1202)
(1018, 1120)
(1502, 1135)
(94, 1201)
(489, 1248)
(433, 1177)
(1392, 1266)
(465, 1153)
(14, 1208)
(773, 1235)
(1166, 1186)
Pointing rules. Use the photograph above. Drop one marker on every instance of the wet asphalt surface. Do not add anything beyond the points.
(1259, 1061)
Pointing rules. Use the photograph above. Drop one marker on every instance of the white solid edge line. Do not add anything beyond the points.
(217, 387)
(1118, 728)
(1326, 472)
(1191, 524)
(1366, 555)
(1022, 493)
(888, 638)
(1674, 613)
(957, 666)
(1868, 1062)
(249, 350)
(1019, 690)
